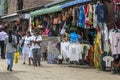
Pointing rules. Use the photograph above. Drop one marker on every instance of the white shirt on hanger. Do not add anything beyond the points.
(108, 60)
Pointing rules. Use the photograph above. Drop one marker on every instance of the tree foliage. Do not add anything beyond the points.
(5, 6)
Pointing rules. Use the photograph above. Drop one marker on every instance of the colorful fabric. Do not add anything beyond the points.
(94, 17)
(74, 37)
(97, 51)
(102, 13)
(81, 17)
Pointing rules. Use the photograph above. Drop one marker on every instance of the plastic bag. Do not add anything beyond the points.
(16, 55)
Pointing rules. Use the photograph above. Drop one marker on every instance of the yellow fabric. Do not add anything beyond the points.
(97, 51)
(83, 48)
(37, 23)
(90, 14)
(16, 55)
(98, 42)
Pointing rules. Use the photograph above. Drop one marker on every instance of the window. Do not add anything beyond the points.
(20, 4)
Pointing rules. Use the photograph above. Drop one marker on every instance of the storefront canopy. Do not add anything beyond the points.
(11, 17)
(72, 3)
(46, 11)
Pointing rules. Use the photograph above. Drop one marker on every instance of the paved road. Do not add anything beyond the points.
(52, 72)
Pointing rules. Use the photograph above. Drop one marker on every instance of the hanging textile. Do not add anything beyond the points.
(97, 51)
(94, 17)
(115, 42)
(115, 5)
(81, 17)
(102, 13)
(65, 49)
(90, 15)
(75, 51)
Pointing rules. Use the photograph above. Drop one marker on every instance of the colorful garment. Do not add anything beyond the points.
(81, 17)
(97, 51)
(90, 15)
(94, 17)
(102, 13)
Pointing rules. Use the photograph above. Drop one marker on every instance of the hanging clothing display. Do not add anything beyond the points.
(97, 51)
(108, 61)
(80, 22)
(114, 41)
(65, 49)
(81, 17)
(74, 37)
(116, 8)
(90, 15)
(94, 17)
(75, 51)
(105, 41)
(102, 13)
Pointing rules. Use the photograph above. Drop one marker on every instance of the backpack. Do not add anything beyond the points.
(14, 42)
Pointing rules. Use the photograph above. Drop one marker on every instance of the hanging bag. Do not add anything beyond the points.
(16, 55)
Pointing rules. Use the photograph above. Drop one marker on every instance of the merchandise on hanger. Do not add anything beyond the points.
(114, 36)
(102, 13)
(81, 17)
(73, 37)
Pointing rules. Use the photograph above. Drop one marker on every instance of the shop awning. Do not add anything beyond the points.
(72, 3)
(11, 17)
(46, 11)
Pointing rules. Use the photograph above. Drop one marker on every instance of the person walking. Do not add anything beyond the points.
(26, 46)
(3, 36)
(11, 48)
(36, 40)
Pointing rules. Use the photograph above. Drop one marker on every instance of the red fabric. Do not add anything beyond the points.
(116, 7)
(117, 1)
(86, 9)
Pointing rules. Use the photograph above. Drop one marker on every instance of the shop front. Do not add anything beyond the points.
(83, 28)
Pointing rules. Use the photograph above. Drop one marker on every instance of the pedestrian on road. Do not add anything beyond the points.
(36, 48)
(26, 46)
(3, 36)
(11, 48)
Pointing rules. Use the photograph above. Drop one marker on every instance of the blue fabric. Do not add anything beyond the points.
(10, 59)
(102, 13)
(72, 3)
(73, 37)
(81, 17)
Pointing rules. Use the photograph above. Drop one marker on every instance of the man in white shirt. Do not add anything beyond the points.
(3, 36)
(36, 40)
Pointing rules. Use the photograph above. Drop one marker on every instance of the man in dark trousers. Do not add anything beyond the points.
(3, 36)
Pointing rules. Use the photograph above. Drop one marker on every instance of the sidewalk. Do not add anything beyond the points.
(52, 72)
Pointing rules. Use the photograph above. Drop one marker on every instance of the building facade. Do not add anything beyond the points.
(2, 7)
(16, 5)
(35, 3)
